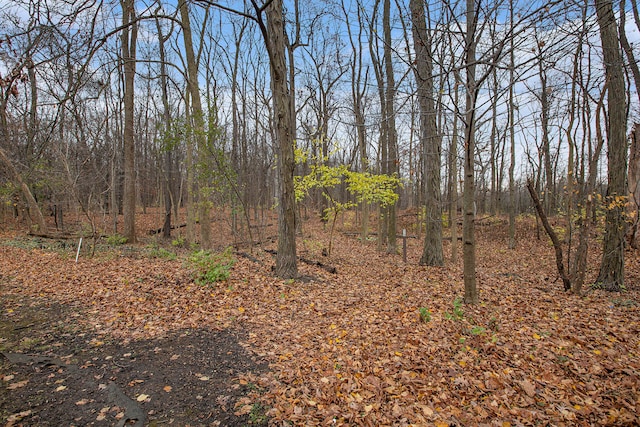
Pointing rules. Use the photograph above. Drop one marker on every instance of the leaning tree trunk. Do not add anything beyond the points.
(611, 276)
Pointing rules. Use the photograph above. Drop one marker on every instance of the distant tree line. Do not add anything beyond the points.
(108, 108)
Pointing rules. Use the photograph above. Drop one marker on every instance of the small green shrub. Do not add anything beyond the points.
(477, 330)
(207, 267)
(425, 314)
(258, 414)
(116, 240)
(158, 252)
(457, 314)
(178, 242)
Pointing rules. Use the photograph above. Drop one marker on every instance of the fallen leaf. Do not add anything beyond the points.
(142, 397)
(528, 388)
(62, 387)
(167, 388)
(14, 386)
(17, 417)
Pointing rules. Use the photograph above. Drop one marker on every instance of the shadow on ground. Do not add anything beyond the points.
(55, 374)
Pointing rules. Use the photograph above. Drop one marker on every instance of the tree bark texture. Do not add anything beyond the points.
(611, 274)
(286, 263)
(429, 139)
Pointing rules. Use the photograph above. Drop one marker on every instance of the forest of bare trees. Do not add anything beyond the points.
(223, 107)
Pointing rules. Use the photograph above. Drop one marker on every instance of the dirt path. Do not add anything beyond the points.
(54, 374)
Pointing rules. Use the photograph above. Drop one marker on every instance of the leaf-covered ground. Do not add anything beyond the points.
(351, 348)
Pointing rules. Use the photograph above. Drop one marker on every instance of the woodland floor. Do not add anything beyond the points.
(125, 335)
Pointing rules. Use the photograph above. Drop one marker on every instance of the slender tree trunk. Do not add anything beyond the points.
(512, 140)
(392, 135)
(198, 117)
(453, 182)
(168, 150)
(429, 139)
(546, 143)
(358, 91)
(190, 233)
(129, 39)
(494, 145)
(627, 48)
(611, 274)
(468, 226)
(634, 184)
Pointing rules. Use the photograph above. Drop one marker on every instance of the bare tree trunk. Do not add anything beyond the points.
(392, 135)
(578, 269)
(129, 39)
(546, 143)
(512, 140)
(627, 48)
(552, 235)
(358, 91)
(197, 114)
(468, 225)
(453, 182)
(429, 138)
(168, 151)
(286, 262)
(611, 274)
(190, 233)
(634, 184)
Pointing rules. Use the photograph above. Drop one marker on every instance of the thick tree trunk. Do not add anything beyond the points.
(429, 139)
(611, 274)
(286, 262)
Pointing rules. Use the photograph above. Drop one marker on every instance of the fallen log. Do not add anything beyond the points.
(331, 269)
(159, 230)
